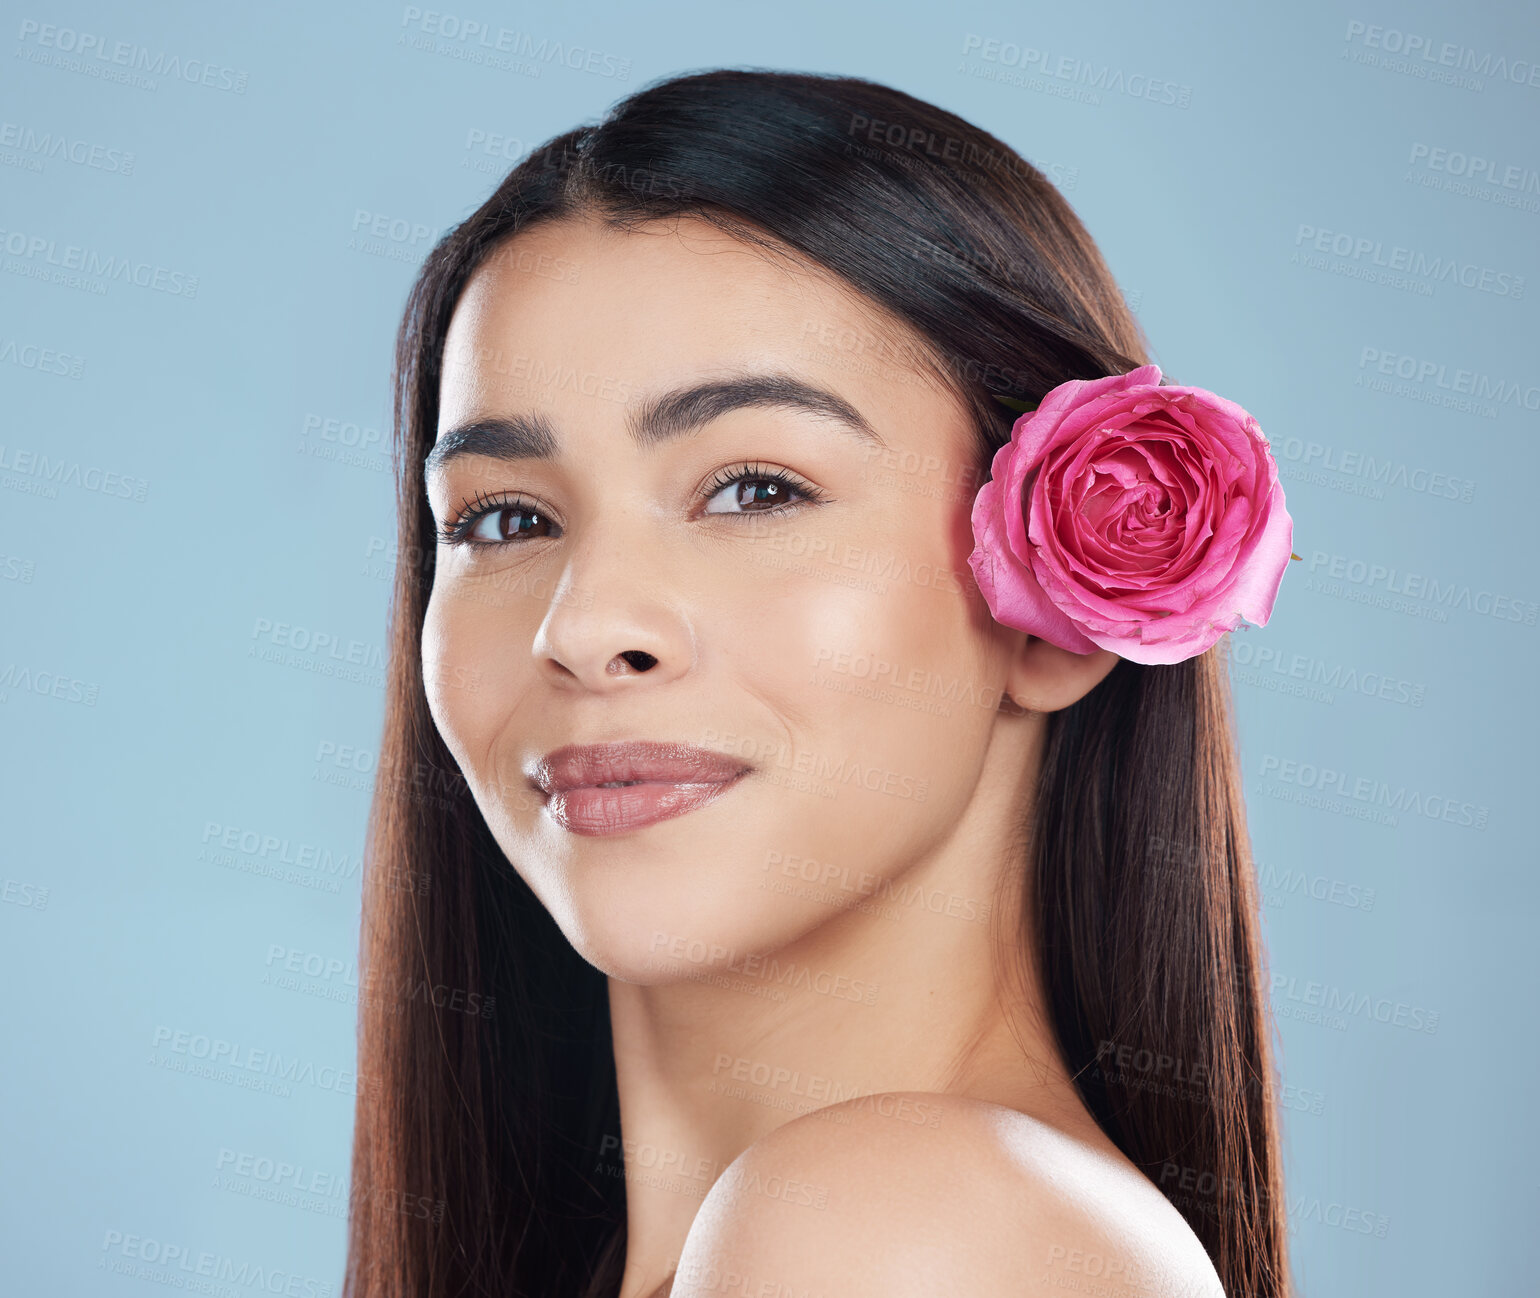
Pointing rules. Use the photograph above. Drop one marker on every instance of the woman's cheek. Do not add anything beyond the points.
(823, 651)
(451, 665)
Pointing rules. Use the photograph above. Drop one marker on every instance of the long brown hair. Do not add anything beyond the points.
(487, 1094)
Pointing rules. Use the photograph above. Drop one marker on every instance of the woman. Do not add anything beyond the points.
(768, 892)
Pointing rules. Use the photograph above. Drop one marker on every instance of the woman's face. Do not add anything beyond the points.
(836, 646)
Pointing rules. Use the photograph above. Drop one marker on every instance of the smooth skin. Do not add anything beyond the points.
(845, 921)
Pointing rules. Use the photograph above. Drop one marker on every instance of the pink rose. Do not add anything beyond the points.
(1127, 516)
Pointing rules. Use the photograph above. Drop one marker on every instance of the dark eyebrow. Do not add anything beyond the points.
(673, 414)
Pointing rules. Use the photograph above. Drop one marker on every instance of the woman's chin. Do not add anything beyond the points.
(660, 935)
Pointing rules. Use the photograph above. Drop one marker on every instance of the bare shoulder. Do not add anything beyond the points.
(913, 1193)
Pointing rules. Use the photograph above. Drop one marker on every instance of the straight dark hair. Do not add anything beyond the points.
(481, 1139)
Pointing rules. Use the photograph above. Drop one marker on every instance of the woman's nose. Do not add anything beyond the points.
(615, 622)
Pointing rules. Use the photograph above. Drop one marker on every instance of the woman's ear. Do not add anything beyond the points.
(1045, 678)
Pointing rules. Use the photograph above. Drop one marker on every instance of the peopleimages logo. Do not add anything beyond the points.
(99, 56)
(1320, 671)
(1475, 168)
(1372, 469)
(246, 1066)
(145, 1257)
(1068, 71)
(1431, 56)
(43, 360)
(65, 148)
(40, 474)
(1362, 252)
(1455, 383)
(1380, 577)
(1341, 1002)
(1364, 789)
(754, 965)
(49, 684)
(45, 259)
(1278, 885)
(484, 38)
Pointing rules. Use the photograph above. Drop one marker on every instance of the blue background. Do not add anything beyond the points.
(143, 727)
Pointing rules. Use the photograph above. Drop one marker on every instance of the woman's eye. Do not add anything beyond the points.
(743, 492)
(754, 493)
(511, 522)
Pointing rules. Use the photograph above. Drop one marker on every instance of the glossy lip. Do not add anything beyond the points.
(579, 766)
(647, 782)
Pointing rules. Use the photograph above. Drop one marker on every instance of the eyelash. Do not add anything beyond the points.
(457, 530)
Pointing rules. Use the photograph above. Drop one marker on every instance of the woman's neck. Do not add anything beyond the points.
(901, 996)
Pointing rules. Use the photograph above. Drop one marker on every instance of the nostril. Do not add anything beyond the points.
(638, 659)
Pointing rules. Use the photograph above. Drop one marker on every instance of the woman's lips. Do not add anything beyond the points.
(596, 811)
(615, 787)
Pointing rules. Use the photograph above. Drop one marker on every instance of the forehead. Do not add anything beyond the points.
(574, 309)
